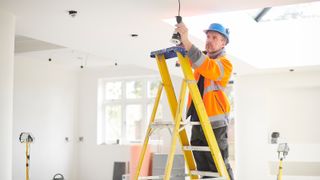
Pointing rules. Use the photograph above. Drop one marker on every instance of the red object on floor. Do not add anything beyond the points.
(134, 160)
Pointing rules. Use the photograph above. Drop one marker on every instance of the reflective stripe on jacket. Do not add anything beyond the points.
(216, 73)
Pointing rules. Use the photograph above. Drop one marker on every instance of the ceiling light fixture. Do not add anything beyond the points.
(176, 38)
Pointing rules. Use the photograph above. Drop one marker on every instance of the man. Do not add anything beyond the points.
(212, 70)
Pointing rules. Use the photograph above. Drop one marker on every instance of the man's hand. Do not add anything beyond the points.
(183, 31)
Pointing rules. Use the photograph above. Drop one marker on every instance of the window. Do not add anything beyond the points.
(125, 107)
(288, 12)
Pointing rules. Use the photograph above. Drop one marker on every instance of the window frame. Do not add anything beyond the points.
(123, 102)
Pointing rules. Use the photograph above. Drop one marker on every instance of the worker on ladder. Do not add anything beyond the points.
(212, 70)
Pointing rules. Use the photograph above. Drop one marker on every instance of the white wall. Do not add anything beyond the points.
(45, 104)
(96, 161)
(7, 30)
(284, 102)
(53, 102)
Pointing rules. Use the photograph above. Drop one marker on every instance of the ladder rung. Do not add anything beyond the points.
(151, 177)
(196, 148)
(170, 123)
(191, 81)
(191, 123)
(161, 176)
(162, 124)
(206, 173)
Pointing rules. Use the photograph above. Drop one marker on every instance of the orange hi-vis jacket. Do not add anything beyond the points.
(216, 73)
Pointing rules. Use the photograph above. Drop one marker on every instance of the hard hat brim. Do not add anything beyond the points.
(206, 31)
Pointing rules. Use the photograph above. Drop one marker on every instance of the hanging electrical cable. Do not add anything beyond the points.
(179, 8)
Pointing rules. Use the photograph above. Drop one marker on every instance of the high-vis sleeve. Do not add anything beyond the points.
(214, 69)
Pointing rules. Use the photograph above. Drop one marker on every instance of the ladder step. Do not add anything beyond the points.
(160, 176)
(151, 177)
(195, 173)
(196, 148)
(162, 124)
(207, 173)
(170, 123)
(191, 123)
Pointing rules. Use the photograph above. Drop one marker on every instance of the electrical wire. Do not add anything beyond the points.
(179, 8)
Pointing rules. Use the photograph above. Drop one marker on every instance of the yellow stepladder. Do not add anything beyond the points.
(178, 124)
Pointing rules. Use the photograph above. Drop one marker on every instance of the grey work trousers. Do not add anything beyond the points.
(204, 160)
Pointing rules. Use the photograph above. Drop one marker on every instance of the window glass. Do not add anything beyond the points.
(134, 123)
(134, 89)
(113, 122)
(152, 88)
(113, 90)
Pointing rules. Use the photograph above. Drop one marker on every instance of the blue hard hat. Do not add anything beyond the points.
(220, 29)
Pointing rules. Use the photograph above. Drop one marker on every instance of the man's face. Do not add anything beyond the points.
(215, 41)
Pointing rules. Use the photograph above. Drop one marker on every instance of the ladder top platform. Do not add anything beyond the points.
(169, 52)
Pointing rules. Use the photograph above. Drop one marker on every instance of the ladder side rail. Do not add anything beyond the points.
(175, 133)
(203, 117)
(162, 66)
(148, 133)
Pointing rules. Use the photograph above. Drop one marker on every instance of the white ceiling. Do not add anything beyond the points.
(102, 28)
